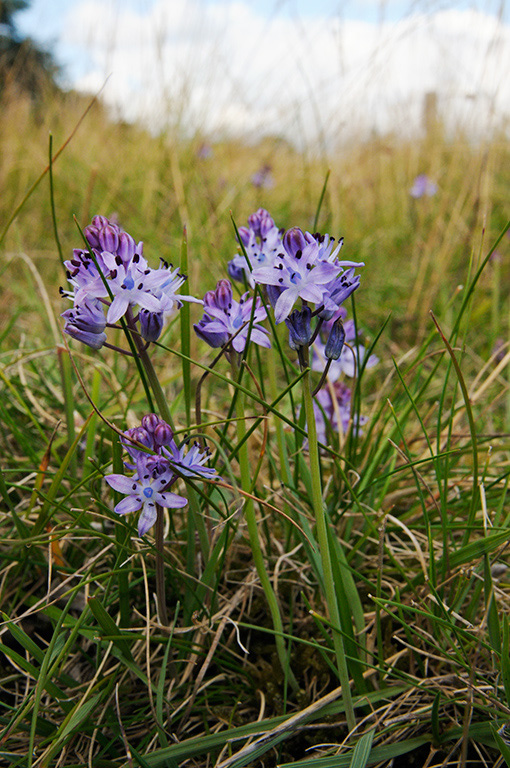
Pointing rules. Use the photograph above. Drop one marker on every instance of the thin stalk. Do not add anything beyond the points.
(152, 377)
(251, 522)
(325, 554)
(159, 533)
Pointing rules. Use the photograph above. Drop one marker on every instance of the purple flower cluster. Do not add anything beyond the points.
(307, 268)
(155, 470)
(296, 267)
(227, 320)
(114, 276)
(262, 241)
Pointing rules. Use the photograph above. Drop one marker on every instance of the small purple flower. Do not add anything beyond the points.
(155, 470)
(190, 463)
(224, 317)
(86, 322)
(263, 179)
(262, 241)
(143, 491)
(423, 187)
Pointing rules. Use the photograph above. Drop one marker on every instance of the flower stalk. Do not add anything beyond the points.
(324, 549)
(251, 522)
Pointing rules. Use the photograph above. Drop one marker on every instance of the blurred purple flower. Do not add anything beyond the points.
(423, 187)
(263, 179)
(205, 151)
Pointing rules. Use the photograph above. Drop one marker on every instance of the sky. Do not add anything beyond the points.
(308, 70)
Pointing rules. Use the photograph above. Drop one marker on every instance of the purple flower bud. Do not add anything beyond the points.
(151, 324)
(223, 294)
(93, 340)
(151, 421)
(244, 232)
(92, 235)
(86, 323)
(273, 293)
(126, 247)
(235, 270)
(335, 342)
(260, 222)
(100, 221)
(298, 323)
(163, 435)
(109, 238)
(213, 338)
(294, 241)
(141, 436)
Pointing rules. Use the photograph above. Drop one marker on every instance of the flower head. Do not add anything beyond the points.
(116, 275)
(155, 470)
(262, 242)
(143, 491)
(226, 319)
(306, 268)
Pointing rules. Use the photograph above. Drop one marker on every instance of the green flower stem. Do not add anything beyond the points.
(251, 522)
(143, 356)
(157, 390)
(325, 554)
(159, 534)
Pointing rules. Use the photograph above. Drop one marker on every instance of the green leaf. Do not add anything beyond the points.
(502, 746)
(110, 628)
(362, 750)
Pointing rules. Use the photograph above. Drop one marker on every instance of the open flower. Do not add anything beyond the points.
(155, 470)
(306, 268)
(225, 318)
(262, 241)
(143, 491)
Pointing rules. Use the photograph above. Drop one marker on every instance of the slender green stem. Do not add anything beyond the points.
(325, 554)
(159, 532)
(152, 377)
(251, 522)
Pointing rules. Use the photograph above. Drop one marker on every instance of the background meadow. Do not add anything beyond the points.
(416, 504)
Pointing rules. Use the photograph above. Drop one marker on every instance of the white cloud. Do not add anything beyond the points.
(225, 66)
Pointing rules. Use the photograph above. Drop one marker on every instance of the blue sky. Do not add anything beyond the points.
(314, 66)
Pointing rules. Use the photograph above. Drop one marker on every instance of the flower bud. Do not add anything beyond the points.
(151, 324)
(298, 323)
(335, 342)
(163, 435)
(151, 421)
(294, 241)
(109, 238)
